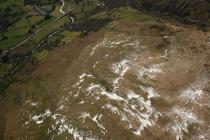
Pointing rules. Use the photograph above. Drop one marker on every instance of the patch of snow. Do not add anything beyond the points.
(93, 88)
(126, 108)
(74, 132)
(82, 78)
(78, 85)
(112, 95)
(165, 54)
(40, 118)
(151, 71)
(81, 102)
(132, 95)
(107, 55)
(32, 103)
(150, 91)
(61, 107)
(182, 119)
(96, 119)
(84, 116)
(101, 44)
(112, 108)
(62, 125)
(192, 94)
(118, 42)
(133, 44)
(95, 64)
(145, 117)
(120, 69)
(114, 42)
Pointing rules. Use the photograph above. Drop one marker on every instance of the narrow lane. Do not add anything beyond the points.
(62, 6)
(41, 29)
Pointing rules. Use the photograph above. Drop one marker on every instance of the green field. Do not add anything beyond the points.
(7, 3)
(64, 20)
(22, 28)
(40, 54)
(3, 69)
(84, 10)
(19, 31)
(69, 36)
(123, 13)
(28, 22)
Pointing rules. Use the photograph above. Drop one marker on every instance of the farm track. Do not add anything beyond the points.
(15, 68)
(41, 29)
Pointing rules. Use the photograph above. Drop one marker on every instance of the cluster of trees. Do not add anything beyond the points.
(3, 57)
(78, 1)
(39, 2)
(9, 16)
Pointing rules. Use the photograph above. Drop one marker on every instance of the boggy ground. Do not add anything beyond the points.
(129, 80)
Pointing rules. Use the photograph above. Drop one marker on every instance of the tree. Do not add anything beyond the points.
(2, 29)
(4, 58)
(29, 31)
(46, 17)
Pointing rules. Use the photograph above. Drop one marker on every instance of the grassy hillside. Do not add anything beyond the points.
(190, 9)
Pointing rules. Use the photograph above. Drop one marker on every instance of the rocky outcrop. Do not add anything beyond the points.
(191, 10)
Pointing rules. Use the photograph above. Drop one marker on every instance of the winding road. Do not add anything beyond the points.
(13, 70)
(62, 6)
(56, 31)
(41, 29)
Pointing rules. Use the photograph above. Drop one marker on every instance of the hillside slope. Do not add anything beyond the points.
(191, 9)
(139, 77)
(194, 11)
